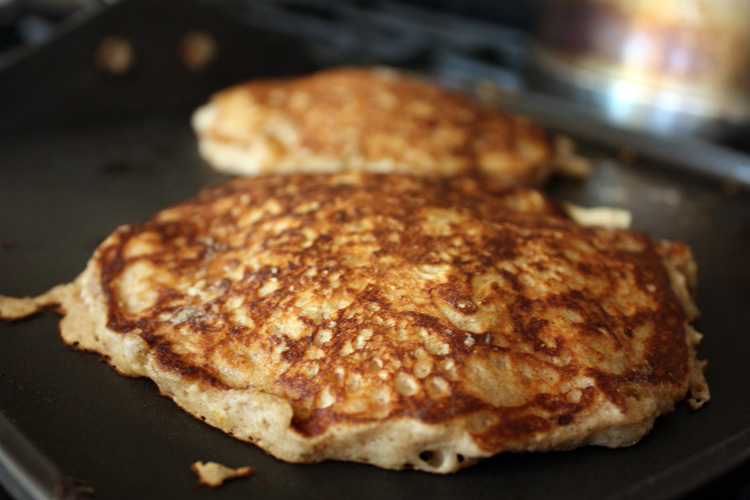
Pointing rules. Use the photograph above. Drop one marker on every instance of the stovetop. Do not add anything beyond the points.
(452, 41)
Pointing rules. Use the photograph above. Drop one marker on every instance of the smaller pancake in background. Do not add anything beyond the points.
(376, 119)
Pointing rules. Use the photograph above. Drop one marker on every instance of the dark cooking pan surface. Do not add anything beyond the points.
(63, 189)
(68, 189)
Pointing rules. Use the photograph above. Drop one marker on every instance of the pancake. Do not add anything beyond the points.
(396, 320)
(376, 120)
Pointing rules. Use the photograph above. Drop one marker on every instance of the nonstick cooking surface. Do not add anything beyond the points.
(65, 188)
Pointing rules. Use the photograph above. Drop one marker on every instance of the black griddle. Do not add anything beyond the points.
(80, 154)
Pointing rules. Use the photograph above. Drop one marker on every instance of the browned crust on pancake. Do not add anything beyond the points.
(663, 362)
(433, 315)
(367, 119)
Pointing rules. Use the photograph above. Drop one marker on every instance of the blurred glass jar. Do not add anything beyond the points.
(675, 66)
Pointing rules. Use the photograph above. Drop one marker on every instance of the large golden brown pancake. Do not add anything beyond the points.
(395, 320)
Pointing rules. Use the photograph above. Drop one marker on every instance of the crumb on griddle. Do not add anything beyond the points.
(213, 474)
(567, 163)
